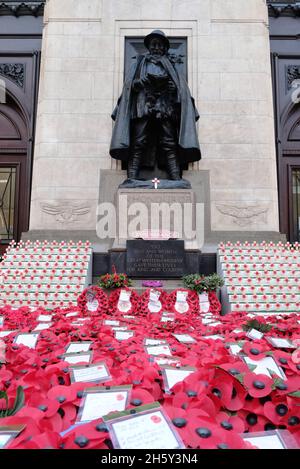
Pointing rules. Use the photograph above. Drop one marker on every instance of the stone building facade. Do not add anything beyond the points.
(81, 75)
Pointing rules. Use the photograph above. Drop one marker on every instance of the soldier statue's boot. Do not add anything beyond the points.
(133, 168)
(173, 168)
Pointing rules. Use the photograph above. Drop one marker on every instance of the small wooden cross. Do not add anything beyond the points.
(156, 182)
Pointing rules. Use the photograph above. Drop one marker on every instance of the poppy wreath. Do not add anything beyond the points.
(144, 301)
(98, 295)
(215, 305)
(114, 300)
(192, 301)
(210, 409)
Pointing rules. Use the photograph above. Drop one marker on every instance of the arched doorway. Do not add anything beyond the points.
(14, 184)
(290, 144)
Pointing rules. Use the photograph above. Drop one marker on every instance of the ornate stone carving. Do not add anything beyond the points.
(15, 72)
(292, 73)
(283, 8)
(66, 212)
(244, 215)
(23, 8)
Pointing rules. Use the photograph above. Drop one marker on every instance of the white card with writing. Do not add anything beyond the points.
(181, 296)
(44, 318)
(124, 303)
(77, 358)
(145, 431)
(110, 322)
(78, 347)
(207, 320)
(123, 335)
(263, 366)
(155, 341)
(125, 295)
(29, 340)
(71, 315)
(213, 337)
(167, 317)
(181, 305)
(42, 326)
(175, 375)
(166, 361)
(4, 439)
(93, 305)
(254, 334)
(92, 373)
(265, 442)
(158, 350)
(215, 323)
(235, 349)
(238, 330)
(278, 342)
(184, 338)
(154, 304)
(6, 333)
(96, 405)
(204, 302)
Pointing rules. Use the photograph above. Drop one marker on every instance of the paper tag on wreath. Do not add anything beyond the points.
(124, 304)
(181, 305)
(92, 306)
(204, 302)
(154, 304)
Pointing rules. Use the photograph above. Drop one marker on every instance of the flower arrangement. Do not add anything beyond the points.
(114, 280)
(200, 283)
(93, 301)
(152, 283)
(210, 409)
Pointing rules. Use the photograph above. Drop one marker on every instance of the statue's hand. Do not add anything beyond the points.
(171, 85)
(139, 84)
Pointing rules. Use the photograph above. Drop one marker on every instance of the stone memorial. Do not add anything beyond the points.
(155, 259)
(96, 51)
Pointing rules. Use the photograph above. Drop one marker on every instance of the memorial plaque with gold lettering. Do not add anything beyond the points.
(155, 259)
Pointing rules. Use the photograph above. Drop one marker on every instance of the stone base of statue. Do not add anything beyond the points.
(165, 210)
(149, 184)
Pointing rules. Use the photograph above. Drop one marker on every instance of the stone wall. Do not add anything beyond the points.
(81, 78)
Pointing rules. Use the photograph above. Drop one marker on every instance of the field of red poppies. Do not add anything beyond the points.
(225, 397)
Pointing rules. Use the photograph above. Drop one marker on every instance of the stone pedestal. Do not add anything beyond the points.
(155, 210)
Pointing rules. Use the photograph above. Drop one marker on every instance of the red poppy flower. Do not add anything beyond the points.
(255, 351)
(277, 411)
(258, 385)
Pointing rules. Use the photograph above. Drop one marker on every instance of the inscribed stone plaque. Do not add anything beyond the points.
(155, 259)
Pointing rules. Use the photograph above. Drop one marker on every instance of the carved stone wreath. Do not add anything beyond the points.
(14, 72)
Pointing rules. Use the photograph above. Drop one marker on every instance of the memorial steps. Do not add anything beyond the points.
(260, 278)
(44, 274)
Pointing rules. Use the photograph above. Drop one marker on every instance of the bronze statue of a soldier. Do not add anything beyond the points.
(155, 118)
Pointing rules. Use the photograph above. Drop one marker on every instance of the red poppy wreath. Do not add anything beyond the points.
(183, 301)
(93, 301)
(124, 301)
(153, 301)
